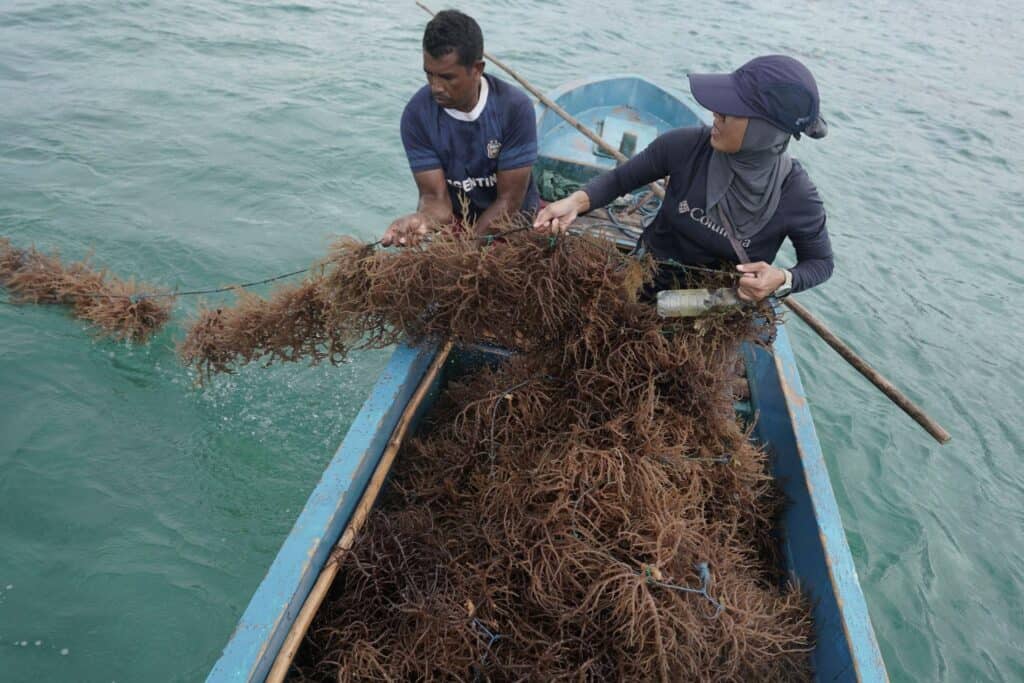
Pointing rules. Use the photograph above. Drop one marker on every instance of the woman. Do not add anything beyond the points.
(733, 192)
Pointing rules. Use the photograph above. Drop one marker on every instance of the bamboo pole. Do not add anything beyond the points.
(316, 595)
(862, 366)
(872, 375)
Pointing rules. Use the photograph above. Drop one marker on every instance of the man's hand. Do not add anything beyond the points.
(406, 231)
(758, 280)
(555, 218)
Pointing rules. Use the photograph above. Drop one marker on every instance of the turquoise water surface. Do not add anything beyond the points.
(223, 141)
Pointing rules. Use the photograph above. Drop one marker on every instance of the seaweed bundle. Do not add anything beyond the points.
(590, 510)
(511, 291)
(121, 309)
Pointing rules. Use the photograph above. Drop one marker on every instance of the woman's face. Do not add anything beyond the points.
(727, 133)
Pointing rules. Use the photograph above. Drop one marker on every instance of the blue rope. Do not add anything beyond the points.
(725, 458)
(705, 581)
(492, 638)
(618, 224)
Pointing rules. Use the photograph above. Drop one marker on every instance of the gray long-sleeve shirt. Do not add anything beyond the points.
(683, 230)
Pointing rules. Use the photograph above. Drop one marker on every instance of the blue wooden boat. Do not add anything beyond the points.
(815, 549)
(628, 112)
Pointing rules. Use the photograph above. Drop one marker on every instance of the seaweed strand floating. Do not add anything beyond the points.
(121, 309)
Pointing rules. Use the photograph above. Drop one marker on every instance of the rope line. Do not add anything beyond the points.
(616, 224)
(229, 288)
(672, 263)
(136, 298)
(488, 240)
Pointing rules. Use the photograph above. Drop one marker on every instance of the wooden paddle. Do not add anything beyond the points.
(830, 338)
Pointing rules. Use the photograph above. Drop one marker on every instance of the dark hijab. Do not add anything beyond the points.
(746, 186)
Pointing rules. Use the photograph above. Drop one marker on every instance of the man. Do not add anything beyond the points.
(471, 138)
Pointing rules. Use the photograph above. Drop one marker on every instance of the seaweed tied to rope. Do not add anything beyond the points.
(591, 509)
(121, 309)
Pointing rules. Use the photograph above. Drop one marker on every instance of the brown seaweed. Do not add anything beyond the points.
(120, 309)
(590, 510)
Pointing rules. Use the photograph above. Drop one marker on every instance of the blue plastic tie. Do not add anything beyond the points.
(704, 572)
(492, 638)
(724, 458)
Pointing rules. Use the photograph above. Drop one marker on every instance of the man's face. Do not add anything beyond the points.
(453, 85)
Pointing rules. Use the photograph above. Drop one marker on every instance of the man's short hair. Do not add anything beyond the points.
(451, 30)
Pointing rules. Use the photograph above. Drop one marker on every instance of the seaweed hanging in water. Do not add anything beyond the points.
(590, 510)
(123, 310)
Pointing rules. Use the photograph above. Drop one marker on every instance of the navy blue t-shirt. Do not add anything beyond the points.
(503, 136)
(683, 230)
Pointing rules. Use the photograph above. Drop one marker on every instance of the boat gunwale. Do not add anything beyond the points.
(253, 646)
(851, 605)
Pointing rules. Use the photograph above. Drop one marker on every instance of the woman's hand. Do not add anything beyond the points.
(759, 280)
(555, 218)
(406, 231)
